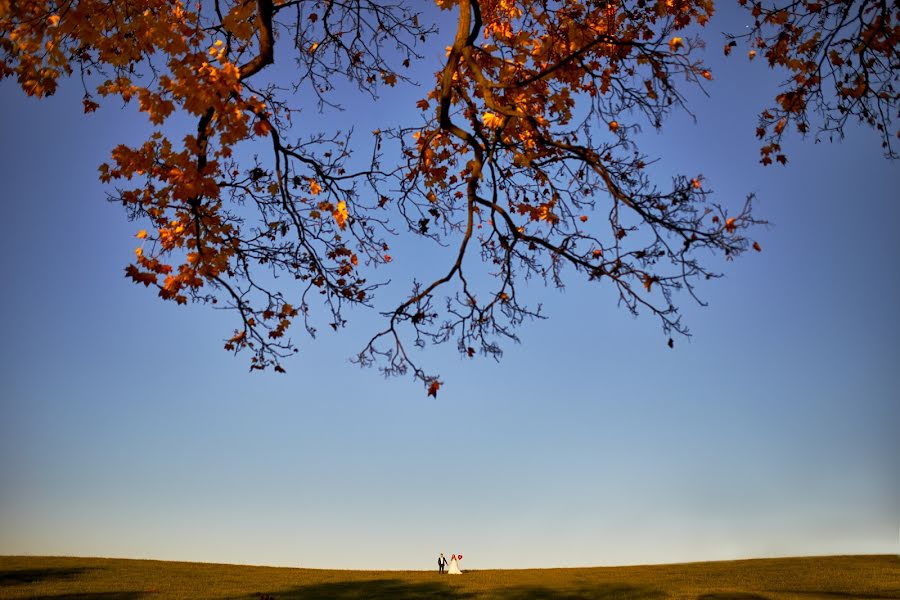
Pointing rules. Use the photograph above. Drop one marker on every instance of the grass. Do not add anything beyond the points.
(810, 578)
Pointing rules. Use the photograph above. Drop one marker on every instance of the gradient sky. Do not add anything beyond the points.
(126, 431)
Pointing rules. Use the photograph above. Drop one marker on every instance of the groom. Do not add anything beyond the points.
(442, 562)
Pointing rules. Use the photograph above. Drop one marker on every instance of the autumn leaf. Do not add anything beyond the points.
(261, 127)
(340, 214)
(675, 43)
(314, 187)
(757, 247)
(433, 388)
(141, 234)
(730, 225)
(491, 120)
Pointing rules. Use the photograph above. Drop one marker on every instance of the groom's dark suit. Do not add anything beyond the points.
(442, 562)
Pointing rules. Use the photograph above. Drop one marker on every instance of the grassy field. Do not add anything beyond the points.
(831, 578)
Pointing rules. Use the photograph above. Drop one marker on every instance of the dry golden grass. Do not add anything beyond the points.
(829, 578)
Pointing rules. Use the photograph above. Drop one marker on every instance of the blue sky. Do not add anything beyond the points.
(126, 431)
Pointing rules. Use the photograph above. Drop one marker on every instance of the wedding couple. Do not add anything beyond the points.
(453, 568)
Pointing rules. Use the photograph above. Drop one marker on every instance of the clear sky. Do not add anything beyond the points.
(126, 431)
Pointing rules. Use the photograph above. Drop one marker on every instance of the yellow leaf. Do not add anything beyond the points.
(675, 43)
(141, 234)
(340, 214)
(314, 187)
(491, 120)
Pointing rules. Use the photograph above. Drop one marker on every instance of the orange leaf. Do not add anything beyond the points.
(433, 388)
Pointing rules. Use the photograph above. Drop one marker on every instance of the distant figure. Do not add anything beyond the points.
(454, 565)
(442, 562)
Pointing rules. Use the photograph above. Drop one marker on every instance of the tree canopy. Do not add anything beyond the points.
(524, 152)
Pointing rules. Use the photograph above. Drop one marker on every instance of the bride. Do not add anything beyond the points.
(454, 565)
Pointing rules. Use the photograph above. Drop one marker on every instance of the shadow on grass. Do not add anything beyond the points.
(879, 595)
(21, 576)
(376, 589)
(732, 596)
(93, 596)
(596, 592)
(393, 589)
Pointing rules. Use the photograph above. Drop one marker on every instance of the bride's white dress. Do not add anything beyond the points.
(453, 569)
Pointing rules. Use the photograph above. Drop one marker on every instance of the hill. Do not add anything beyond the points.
(809, 578)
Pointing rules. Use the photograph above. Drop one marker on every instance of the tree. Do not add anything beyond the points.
(528, 137)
